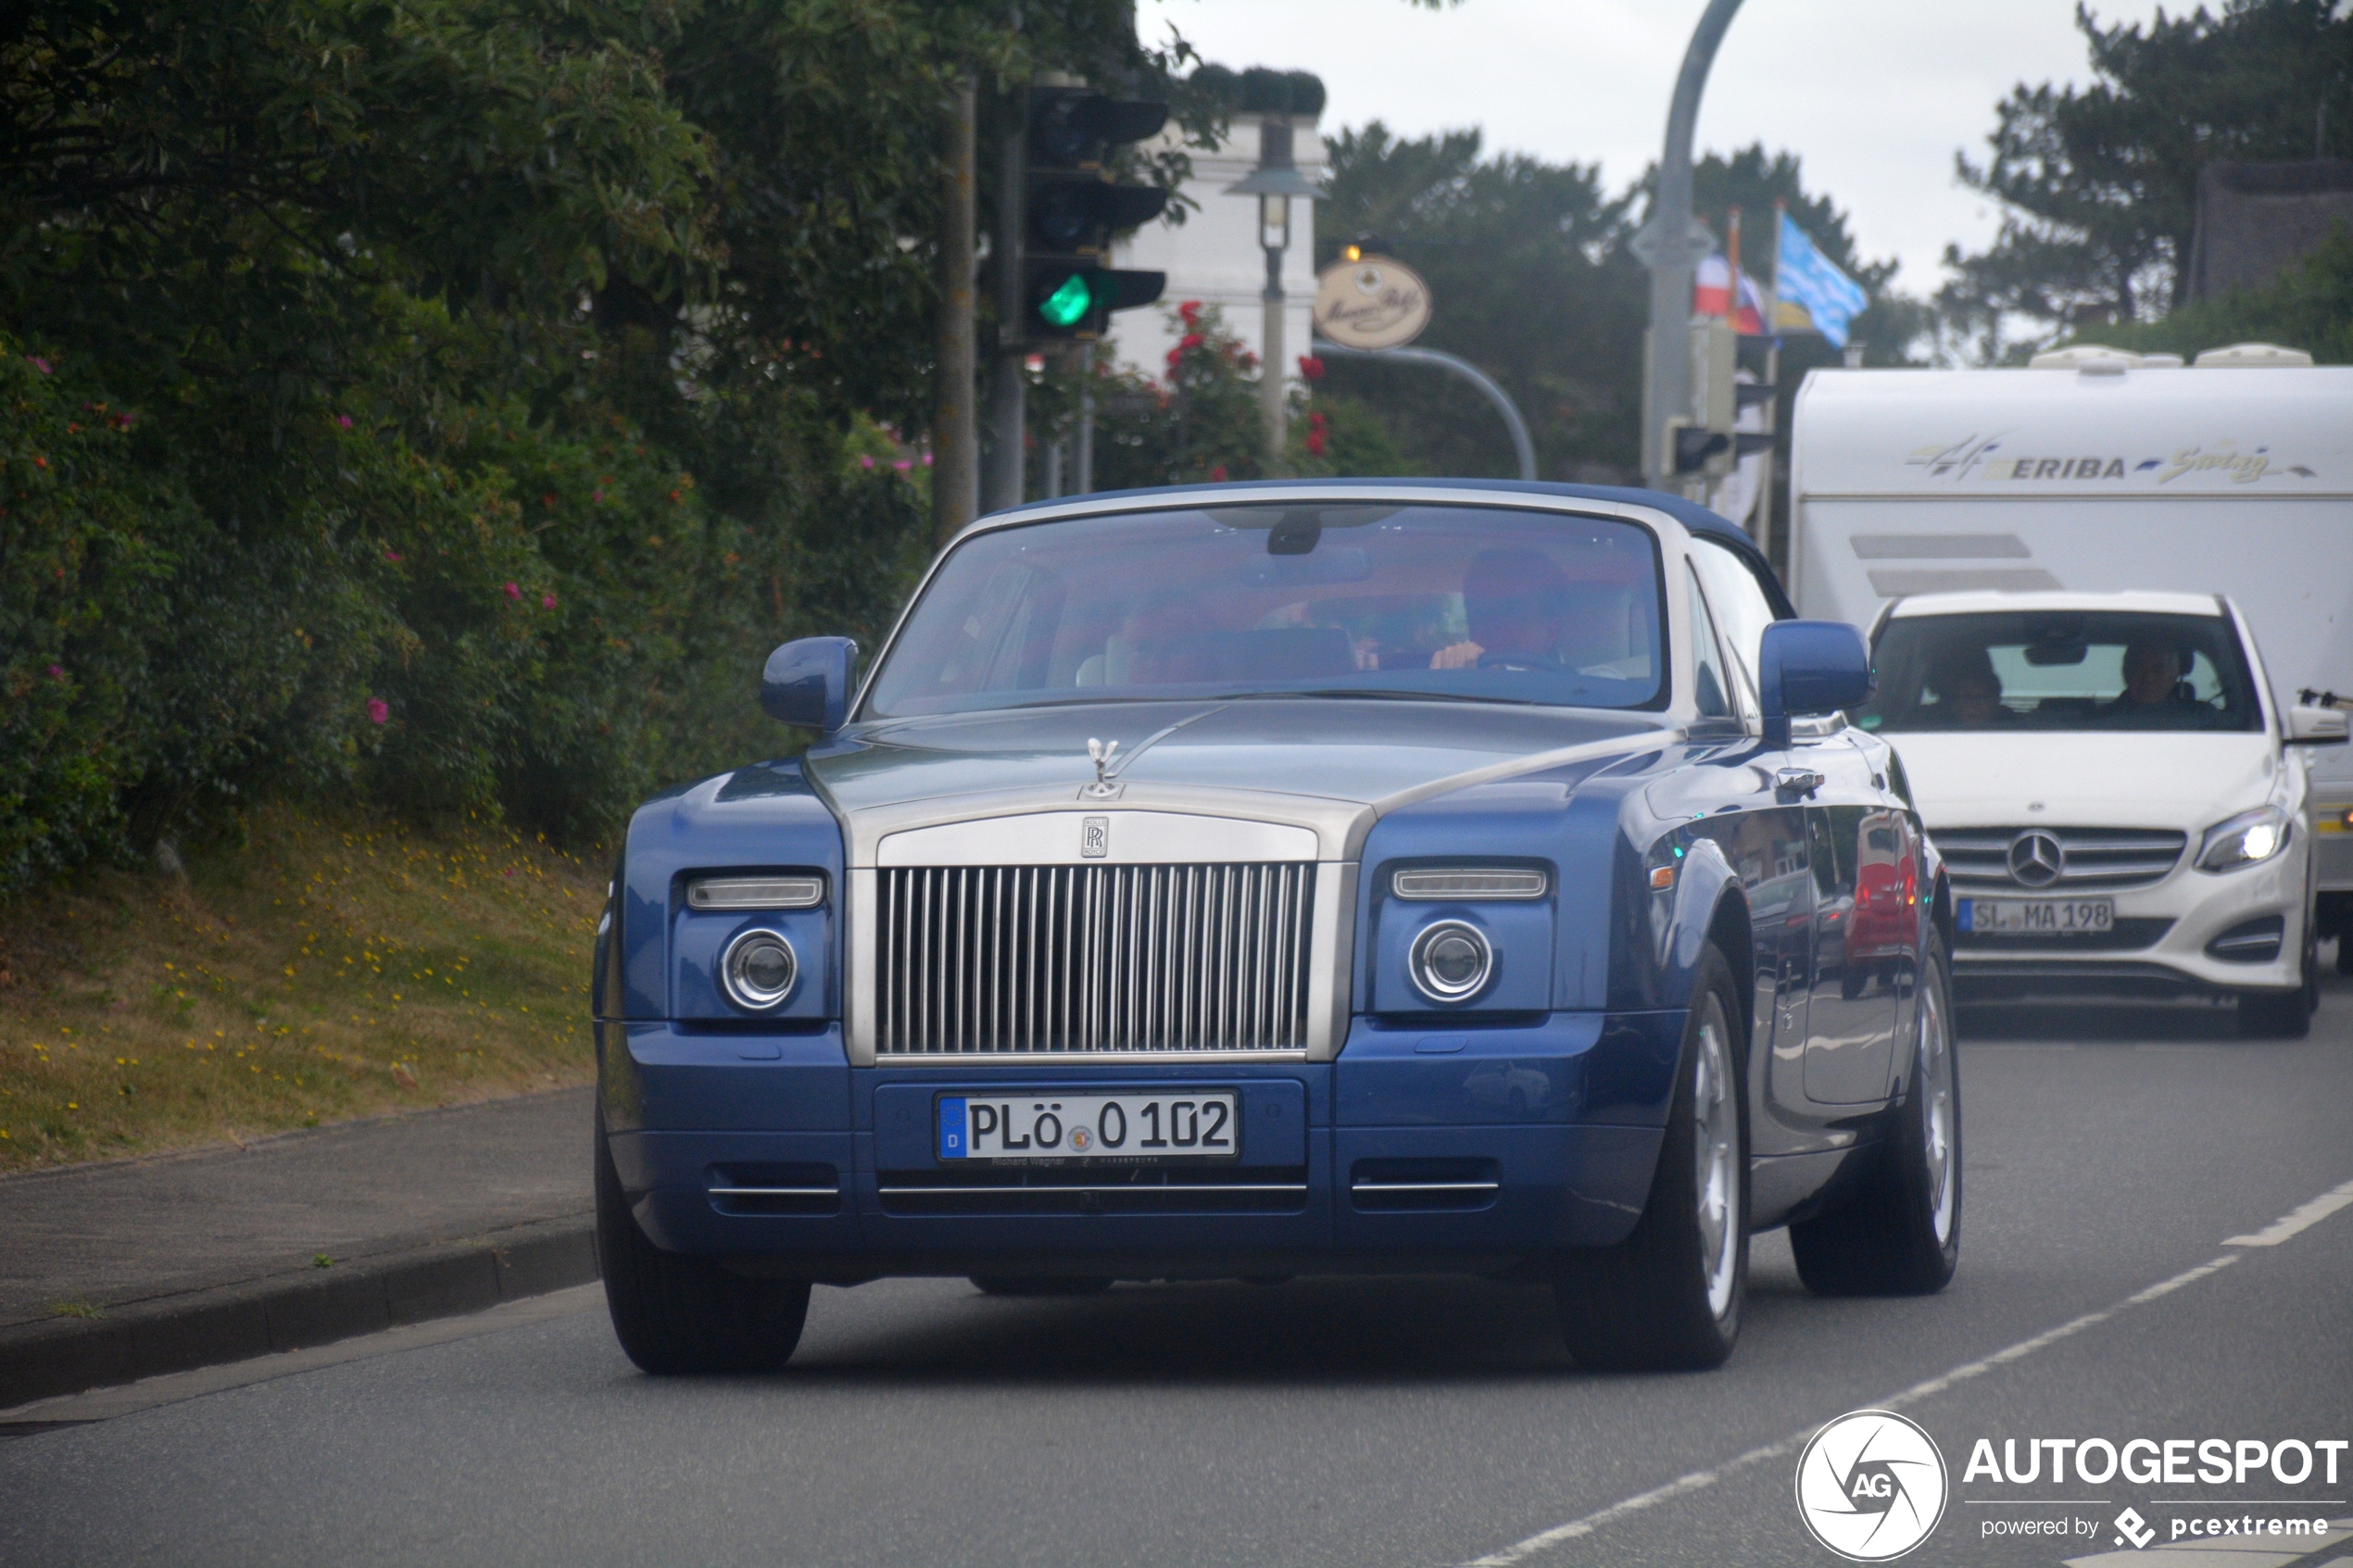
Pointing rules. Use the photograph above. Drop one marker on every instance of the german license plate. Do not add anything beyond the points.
(2036, 916)
(1189, 1124)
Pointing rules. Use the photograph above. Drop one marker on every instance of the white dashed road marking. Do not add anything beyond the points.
(2280, 1230)
(2287, 1225)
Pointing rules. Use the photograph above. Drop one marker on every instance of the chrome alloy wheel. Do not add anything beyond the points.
(1715, 1148)
(1935, 1075)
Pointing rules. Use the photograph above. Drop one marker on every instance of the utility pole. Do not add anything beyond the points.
(1008, 379)
(1085, 482)
(955, 477)
(1666, 244)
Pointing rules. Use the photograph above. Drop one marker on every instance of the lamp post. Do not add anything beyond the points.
(1275, 182)
(1666, 246)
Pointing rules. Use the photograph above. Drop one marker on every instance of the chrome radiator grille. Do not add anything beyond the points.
(989, 960)
(2093, 858)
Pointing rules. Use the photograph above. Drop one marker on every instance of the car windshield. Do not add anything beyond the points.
(2060, 670)
(1479, 603)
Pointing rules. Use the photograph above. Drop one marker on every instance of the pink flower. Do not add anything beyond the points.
(864, 461)
(393, 556)
(905, 465)
(598, 496)
(56, 672)
(343, 421)
(379, 710)
(547, 601)
(1218, 473)
(38, 363)
(926, 459)
(514, 592)
(1312, 367)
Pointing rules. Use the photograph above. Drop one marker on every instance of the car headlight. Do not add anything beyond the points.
(1451, 961)
(2248, 839)
(759, 969)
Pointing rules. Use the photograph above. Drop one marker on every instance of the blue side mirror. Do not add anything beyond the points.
(1808, 667)
(807, 683)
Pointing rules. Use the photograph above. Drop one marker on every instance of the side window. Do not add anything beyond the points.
(1709, 689)
(1742, 609)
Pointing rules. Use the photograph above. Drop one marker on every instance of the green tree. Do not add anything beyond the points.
(2309, 306)
(2099, 183)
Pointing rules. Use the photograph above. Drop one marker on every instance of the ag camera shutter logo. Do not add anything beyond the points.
(1870, 1486)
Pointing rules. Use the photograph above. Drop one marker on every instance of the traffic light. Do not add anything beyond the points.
(1708, 445)
(1071, 208)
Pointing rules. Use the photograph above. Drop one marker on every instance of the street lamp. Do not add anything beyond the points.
(1275, 182)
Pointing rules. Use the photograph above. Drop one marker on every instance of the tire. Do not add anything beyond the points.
(2287, 1015)
(675, 1314)
(1902, 1233)
(1668, 1298)
(1038, 1284)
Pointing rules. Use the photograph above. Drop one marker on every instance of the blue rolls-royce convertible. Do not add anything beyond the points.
(1259, 880)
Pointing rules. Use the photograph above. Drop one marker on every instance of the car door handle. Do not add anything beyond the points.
(1797, 781)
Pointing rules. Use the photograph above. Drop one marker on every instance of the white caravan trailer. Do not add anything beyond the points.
(2101, 470)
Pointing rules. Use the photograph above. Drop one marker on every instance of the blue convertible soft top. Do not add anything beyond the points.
(1691, 514)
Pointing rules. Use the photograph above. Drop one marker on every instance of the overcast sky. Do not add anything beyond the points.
(1875, 96)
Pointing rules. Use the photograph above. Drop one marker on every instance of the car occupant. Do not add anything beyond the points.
(1515, 602)
(2153, 693)
(1969, 693)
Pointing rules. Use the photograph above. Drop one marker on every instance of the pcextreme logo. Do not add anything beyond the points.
(1870, 1486)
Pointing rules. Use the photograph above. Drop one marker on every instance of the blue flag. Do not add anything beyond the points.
(1803, 276)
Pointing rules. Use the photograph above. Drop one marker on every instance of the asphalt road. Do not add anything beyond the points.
(1421, 1423)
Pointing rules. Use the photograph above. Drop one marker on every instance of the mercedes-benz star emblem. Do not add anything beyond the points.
(2036, 859)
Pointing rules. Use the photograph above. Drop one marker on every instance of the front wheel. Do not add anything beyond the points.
(677, 1314)
(1668, 1297)
(1901, 1236)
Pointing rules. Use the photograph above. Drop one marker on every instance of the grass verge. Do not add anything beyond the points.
(329, 967)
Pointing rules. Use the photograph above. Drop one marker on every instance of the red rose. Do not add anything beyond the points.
(1311, 367)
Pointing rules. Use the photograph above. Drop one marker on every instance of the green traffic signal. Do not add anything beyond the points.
(1069, 304)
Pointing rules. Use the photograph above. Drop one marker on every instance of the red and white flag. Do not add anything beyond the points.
(1712, 296)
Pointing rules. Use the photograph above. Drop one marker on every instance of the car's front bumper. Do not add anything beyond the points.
(2171, 936)
(1416, 1149)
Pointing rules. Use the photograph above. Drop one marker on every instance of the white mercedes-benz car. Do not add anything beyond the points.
(2118, 798)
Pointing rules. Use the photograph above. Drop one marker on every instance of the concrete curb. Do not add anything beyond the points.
(290, 1312)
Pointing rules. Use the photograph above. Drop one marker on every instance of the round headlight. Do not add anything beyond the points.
(759, 969)
(1451, 961)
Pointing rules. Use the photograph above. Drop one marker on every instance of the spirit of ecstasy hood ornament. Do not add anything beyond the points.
(1101, 752)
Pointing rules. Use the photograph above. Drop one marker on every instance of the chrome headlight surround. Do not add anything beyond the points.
(1469, 884)
(759, 969)
(2249, 839)
(1449, 961)
(794, 892)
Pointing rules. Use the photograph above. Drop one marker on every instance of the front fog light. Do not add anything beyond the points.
(1449, 961)
(2247, 839)
(759, 969)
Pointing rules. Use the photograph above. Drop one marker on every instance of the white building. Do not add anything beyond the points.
(1214, 256)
